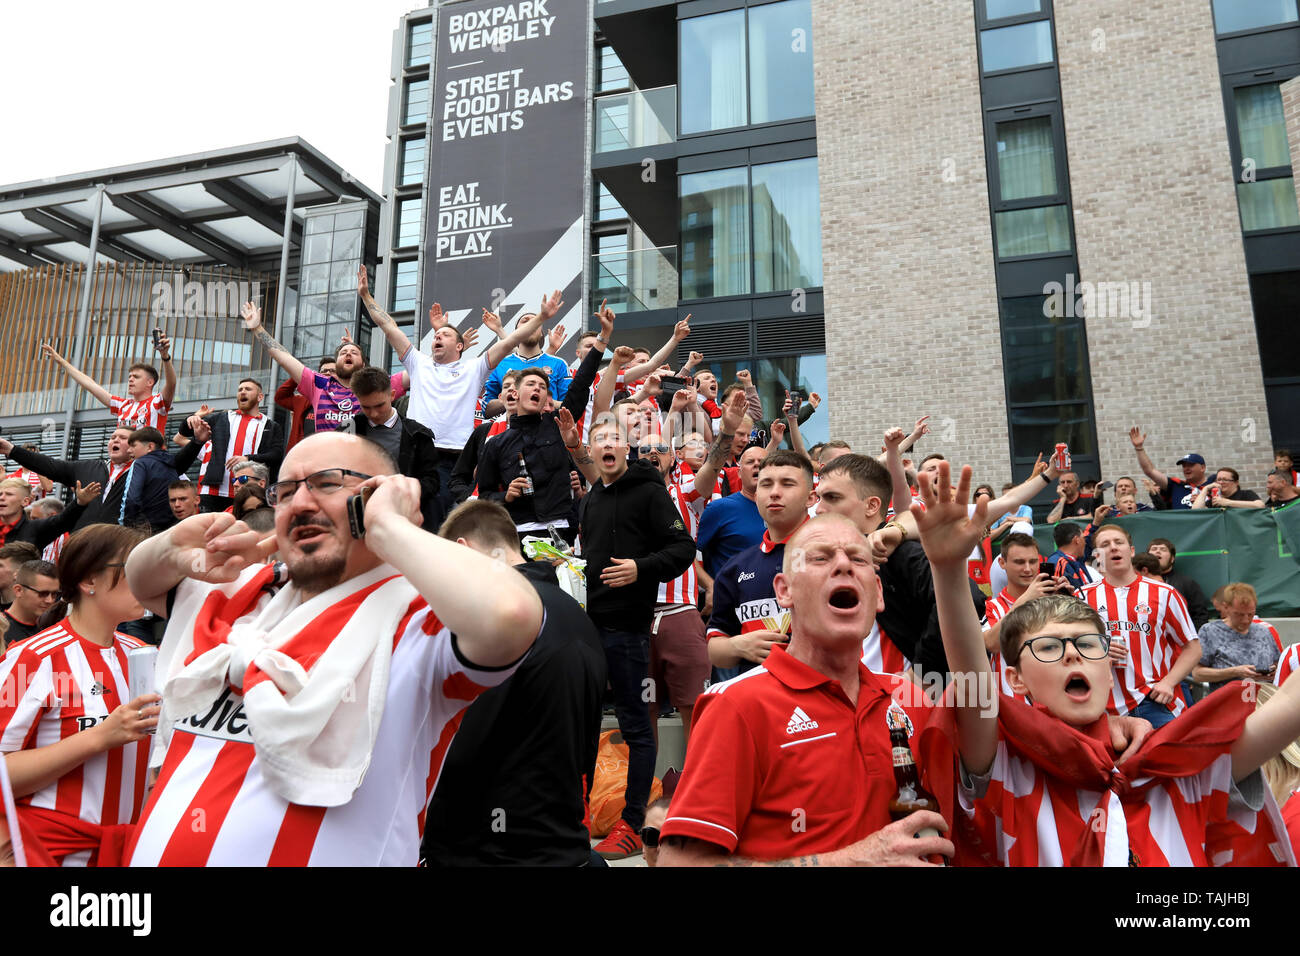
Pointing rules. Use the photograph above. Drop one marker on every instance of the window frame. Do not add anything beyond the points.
(1230, 84)
(983, 25)
(1249, 31)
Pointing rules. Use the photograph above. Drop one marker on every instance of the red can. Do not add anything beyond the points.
(1062, 457)
(1214, 496)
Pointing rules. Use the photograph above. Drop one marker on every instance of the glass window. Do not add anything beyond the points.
(342, 309)
(1268, 204)
(780, 61)
(315, 279)
(1276, 298)
(613, 74)
(412, 166)
(715, 233)
(1261, 125)
(318, 247)
(1046, 357)
(997, 9)
(607, 207)
(1233, 15)
(1041, 427)
(347, 245)
(419, 43)
(1026, 158)
(787, 226)
(343, 276)
(713, 80)
(1028, 232)
(317, 224)
(405, 284)
(349, 220)
(1025, 44)
(408, 222)
(417, 102)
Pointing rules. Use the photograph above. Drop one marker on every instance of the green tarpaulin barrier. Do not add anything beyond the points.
(1257, 546)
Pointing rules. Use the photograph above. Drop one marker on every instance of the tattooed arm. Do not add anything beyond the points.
(253, 322)
(732, 413)
(579, 452)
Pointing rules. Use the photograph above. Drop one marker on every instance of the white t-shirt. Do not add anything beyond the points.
(443, 395)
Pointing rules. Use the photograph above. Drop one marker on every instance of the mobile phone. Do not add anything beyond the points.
(1047, 567)
(797, 398)
(357, 512)
(157, 338)
(672, 384)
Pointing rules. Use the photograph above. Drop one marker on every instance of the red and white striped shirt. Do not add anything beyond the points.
(211, 772)
(1287, 664)
(54, 549)
(689, 504)
(245, 437)
(995, 609)
(1152, 619)
(1164, 825)
(151, 412)
(56, 684)
(114, 473)
(882, 655)
(1277, 638)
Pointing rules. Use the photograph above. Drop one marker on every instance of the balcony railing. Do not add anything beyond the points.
(635, 280)
(637, 119)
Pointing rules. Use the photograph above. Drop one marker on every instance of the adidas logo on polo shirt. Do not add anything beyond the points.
(799, 722)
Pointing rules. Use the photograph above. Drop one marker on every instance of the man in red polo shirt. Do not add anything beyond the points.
(790, 763)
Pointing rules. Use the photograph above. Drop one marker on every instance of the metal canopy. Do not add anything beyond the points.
(225, 206)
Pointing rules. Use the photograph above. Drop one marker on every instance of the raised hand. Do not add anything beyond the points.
(1101, 514)
(492, 322)
(695, 360)
(550, 306)
(436, 318)
(363, 283)
(89, 493)
(568, 427)
(1039, 466)
(787, 405)
(744, 378)
(814, 400)
(922, 427)
(1137, 436)
(606, 316)
(948, 534)
(200, 427)
(623, 355)
(778, 432)
(556, 339)
(682, 399)
(47, 351)
(164, 346)
(252, 316)
(654, 384)
(682, 329)
(893, 438)
(733, 413)
(469, 339)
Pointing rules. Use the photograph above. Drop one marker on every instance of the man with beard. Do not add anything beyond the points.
(274, 692)
(240, 435)
(1163, 550)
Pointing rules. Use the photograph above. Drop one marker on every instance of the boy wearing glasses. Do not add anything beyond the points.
(36, 588)
(1043, 785)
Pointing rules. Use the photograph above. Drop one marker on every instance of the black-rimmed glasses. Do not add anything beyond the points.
(1050, 648)
(324, 482)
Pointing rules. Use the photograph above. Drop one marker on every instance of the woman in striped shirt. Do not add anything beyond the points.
(76, 750)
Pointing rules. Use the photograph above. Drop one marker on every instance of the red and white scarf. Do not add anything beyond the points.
(1071, 759)
(313, 673)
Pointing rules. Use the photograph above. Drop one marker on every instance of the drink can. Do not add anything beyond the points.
(141, 667)
(1214, 495)
(1062, 457)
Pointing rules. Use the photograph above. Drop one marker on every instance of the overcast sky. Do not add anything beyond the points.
(93, 84)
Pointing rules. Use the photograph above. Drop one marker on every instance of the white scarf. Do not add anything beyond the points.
(314, 727)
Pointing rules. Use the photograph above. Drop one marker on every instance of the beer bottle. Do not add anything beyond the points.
(523, 473)
(911, 795)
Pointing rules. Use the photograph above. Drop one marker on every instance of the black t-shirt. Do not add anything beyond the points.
(1243, 494)
(1083, 507)
(511, 788)
(18, 631)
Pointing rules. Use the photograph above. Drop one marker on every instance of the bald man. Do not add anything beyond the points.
(313, 700)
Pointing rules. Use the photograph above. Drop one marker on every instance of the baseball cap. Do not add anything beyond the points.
(1191, 458)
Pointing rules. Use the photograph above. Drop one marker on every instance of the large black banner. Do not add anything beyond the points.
(506, 160)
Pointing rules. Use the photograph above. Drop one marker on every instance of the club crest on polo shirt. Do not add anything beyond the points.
(896, 719)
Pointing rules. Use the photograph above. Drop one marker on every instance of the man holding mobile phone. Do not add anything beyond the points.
(1237, 646)
(1029, 577)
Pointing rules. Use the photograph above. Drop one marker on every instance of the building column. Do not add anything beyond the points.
(83, 315)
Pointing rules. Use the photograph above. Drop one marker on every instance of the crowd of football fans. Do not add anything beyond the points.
(662, 499)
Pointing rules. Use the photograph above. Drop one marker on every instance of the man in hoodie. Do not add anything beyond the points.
(633, 538)
(109, 473)
(527, 468)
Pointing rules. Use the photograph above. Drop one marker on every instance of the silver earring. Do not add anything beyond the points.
(92, 590)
